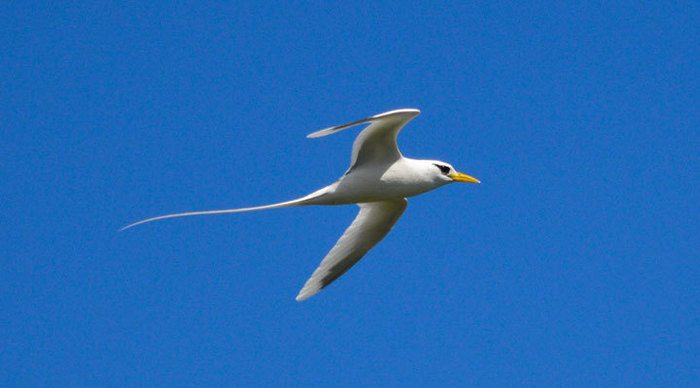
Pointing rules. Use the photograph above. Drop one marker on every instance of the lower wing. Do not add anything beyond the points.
(372, 223)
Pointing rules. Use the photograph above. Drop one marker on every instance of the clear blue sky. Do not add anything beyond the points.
(575, 263)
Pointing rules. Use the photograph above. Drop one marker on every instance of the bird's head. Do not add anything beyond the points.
(444, 172)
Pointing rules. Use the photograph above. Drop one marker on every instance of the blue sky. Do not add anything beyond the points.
(574, 263)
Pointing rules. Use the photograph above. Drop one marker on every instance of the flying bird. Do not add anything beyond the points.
(379, 180)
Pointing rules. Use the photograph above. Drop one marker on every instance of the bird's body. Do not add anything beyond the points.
(379, 180)
(401, 179)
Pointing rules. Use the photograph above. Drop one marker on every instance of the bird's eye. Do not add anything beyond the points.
(444, 169)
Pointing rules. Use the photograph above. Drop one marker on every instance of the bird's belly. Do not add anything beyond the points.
(371, 189)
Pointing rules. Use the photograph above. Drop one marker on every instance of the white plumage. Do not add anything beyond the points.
(379, 180)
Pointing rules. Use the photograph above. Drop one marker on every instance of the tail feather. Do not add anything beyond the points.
(307, 200)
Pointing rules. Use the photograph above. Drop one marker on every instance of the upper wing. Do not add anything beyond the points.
(373, 222)
(377, 142)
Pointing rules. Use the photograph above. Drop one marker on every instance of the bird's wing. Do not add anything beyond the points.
(377, 142)
(372, 223)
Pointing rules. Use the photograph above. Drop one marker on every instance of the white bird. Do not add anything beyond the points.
(379, 180)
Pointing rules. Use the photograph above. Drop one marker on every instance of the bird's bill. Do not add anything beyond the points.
(459, 177)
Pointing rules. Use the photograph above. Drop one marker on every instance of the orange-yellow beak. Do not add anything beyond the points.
(459, 177)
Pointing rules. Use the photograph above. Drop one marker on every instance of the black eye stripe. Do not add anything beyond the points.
(443, 169)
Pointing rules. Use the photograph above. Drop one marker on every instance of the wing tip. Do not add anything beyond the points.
(413, 111)
(302, 297)
(306, 293)
(321, 133)
(327, 131)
